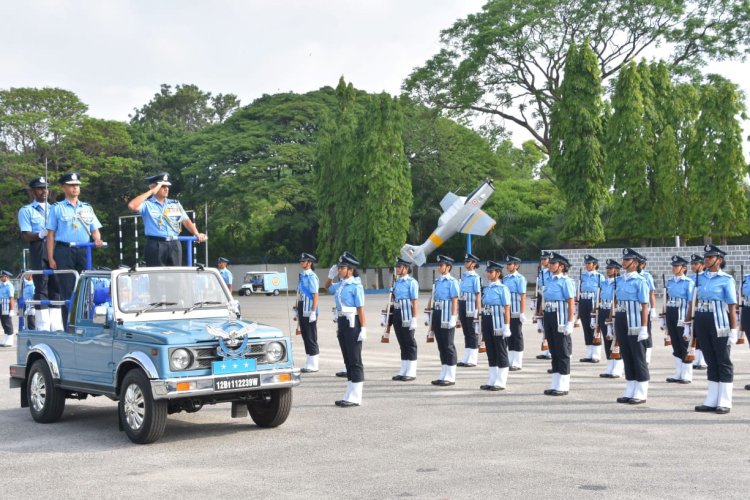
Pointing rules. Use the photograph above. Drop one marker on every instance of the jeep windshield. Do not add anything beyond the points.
(160, 290)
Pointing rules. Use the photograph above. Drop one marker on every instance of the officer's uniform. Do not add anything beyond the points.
(516, 284)
(716, 291)
(350, 295)
(745, 311)
(7, 292)
(543, 278)
(590, 285)
(470, 290)
(444, 323)
(162, 223)
(28, 291)
(496, 301)
(631, 333)
(72, 224)
(307, 315)
(652, 314)
(225, 273)
(32, 219)
(558, 326)
(607, 293)
(699, 363)
(405, 293)
(679, 295)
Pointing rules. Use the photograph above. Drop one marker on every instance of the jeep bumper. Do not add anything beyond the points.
(182, 387)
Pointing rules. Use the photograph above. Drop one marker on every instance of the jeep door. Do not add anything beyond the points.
(93, 346)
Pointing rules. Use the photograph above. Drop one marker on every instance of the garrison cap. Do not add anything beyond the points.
(678, 261)
(509, 259)
(444, 259)
(696, 259)
(222, 259)
(494, 266)
(471, 257)
(713, 251)
(348, 260)
(402, 262)
(613, 264)
(6, 273)
(307, 257)
(71, 178)
(590, 258)
(629, 253)
(160, 177)
(556, 257)
(38, 182)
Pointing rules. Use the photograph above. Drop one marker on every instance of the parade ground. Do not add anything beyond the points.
(408, 439)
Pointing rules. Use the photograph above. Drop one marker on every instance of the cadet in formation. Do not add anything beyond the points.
(559, 311)
(679, 295)
(652, 313)
(405, 294)
(543, 277)
(443, 312)
(226, 274)
(496, 317)
(469, 303)
(306, 311)
(7, 305)
(696, 265)
(591, 281)
(516, 284)
(605, 320)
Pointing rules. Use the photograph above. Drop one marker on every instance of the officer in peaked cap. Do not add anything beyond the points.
(607, 292)
(696, 258)
(559, 316)
(404, 319)
(496, 319)
(306, 311)
(542, 279)
(469, 305)
(516, 283)
(696, 266)
(715, 324)
(163, 219)
(591, 281)
(653, 314)
(444, 313)
(7, 304)
(226, 274)
(31, 221)
(679, 290)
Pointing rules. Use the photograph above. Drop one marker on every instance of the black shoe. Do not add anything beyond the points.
(446, 383)
(496, 388)
(406, 378)
(615, 376)
(468, 365)
(722, 410)
(624, 400)
(307, 370)
(634, 401)
(347, 404)
(586, 360)
(543, 356)
(558, 393)
(548, 392)
(338, 402)
(341, 374)
(485, 387)
(514, 369)
(699, 367)
(461, 363)
(747, 387)
(549, 370)
(594, 360)
(672, 380)
(705, 409)
(682, 381)
(397, 378)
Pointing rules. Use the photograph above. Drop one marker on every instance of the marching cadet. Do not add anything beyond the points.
(31, 221)
(350, 299)
(71, 222)
(444, 311)
(496, 321)
(163, 219)
(469, 304)
(306, 311)
(542, 279)
(715, 325)
(225, 273)
(745, 311)
(653, 314)
(559, 311)
(631, 327)
(7, 305)
(591, 281)
(696, 265)
(679, 295)
(608, 288)
(405, 293)
(516, 284)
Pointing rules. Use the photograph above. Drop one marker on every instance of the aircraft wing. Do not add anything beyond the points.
(478, 224)
(448, 200)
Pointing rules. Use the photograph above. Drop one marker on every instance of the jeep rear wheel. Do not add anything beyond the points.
(142, 417)
(273, 412)
(46, 402)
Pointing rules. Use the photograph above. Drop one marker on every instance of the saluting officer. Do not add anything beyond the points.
(496, 320)
(631, 327)
(652, 313)
(591, 281)
(226, 274)
(696, 265)
(71, 222)
(163, 219)
(405, 294)
(543, 277)
(516, 284)
(679, 296)
(31, 221)
(608, 288)
(306, 311)
(351, 326)
(444, 311)
(559, 311)
(469, 303)
(715, 324)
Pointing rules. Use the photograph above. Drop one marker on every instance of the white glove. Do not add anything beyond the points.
(593, 321)
(609, 331)
(362, 334)
(568, 328)
(506, 331)
(654, 314)
(732, 339)
(522, 318)
(42, 233)
(643, 334)
(662, 324)
(539, 326)
(686, 333)
(333, 272)
(413, 324)
(313, 316)
(383, 320)
(452, 322)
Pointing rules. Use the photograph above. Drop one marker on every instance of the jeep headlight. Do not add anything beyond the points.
(180, 359)
(274, 352)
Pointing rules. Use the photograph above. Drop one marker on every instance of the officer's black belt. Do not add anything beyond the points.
(65, 244)
(162, 238)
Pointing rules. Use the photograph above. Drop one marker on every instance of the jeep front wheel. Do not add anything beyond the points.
(274, 411)
(142, 417)
(46, 402)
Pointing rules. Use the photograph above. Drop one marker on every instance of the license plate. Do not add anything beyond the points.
(236, 382)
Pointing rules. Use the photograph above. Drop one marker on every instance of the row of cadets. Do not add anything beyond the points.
(607, 293)
(444, 304)
(306, 311)
(405, 293)
(559, 311)
(696, 265)
(32, 219)
(496, 321)
(591, 281)
(679, 295)
(543, 278)
(469, 303)
(516, 284)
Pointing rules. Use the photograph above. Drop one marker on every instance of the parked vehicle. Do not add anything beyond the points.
(268, 282)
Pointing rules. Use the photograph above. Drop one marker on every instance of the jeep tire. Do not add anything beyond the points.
(272, 413)
(46, 402)
(141, 416)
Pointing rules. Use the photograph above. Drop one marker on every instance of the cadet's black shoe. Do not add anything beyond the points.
(461, 363)
(469, 365)
(543, 356)
(722, 410)
(705, 409)
(747, 387)
(634, 401)
(624, 400)
(307, 370)
(406, 378)
(338, 402)
(397, 377)
(514, 368)
(347, 404)
(549, 370)
(341, 374)
(683, 381)
(594, 360)
(606, 375)
(548, 392)
(558, 393)
(672, 380)
(443, 383)
(485, 387)
(496, 388)
(586, 360)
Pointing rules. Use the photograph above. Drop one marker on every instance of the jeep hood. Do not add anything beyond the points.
(182, 331)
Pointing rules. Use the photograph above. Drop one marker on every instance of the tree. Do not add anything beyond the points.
(576, 157)
(507, 61)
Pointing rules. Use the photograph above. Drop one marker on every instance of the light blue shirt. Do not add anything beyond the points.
(28, 289)
(680, 288)
(590, 281)
(162, 219)
(745, 287)
(226, 275)
(496, 294)
(633, 287)
(31, 217)
(446, 287)
(559, 288)
(308, 283)
(69, 222)
(350, 292)
(470, 283)
(405, 288)
(649, 280)
(608, 289)
(717, 286)
(7, 290)
(543, 277)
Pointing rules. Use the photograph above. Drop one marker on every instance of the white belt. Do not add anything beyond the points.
(588, 295)
(550, 306)
(704, 307)
(605, 304)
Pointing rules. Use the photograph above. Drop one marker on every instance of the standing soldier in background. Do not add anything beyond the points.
(496, 317)
(28, 291)
(542, 280)
(225, 273)
(696, 265)
(614, 366)
(516, 284)
(745, 311)
(469, 305)
(444, 311)
(559, 314)
(306, 311)
(679, 295)
(7, 304)
(653, 314)
(163, 219)
(32, 219)
(591, 281)
(405, 294)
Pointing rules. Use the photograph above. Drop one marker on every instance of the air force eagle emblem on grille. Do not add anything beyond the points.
(232, 343)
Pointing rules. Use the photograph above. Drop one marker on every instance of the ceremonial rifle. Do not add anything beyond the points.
(428, 312)
(386, 313)
(667, 338)
(690, 355)
(597, 339)
(615, 345)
